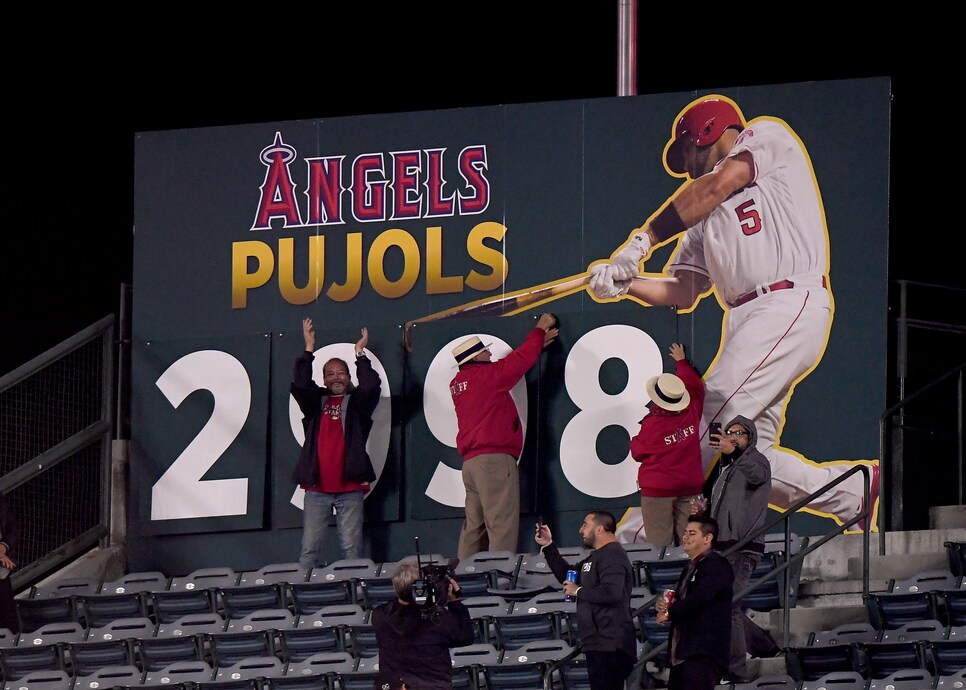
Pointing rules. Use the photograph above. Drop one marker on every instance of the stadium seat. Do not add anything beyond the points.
(956, 555)
(905, 679)
(768, 595)
(230, 648)
(53, 633)
(360, 641)
(205, 578)
(774, 682)
(17, 662)
(837, 680)
(264, 619)
(67, 587)
(147, 581)
(97, 610)
(43, 680)
(110, 677)
(302, 642)
(640, 553)
(250, 669)
(952, 680)
(124, 628)
(170, 605)
(952, 605)
(376, 591)
(192, 624)
(361, 677)
(663, 573)
(274, 573)
(157, 653)
(482, 611)
(564, 613)
(238, 602)
(322, 662)
(86, 658)
(180, 672)
(947, 656)
(524, 667)
(881, 659)
(520, 626)
(34, 613)
(499, 567)
(830, 651)
(308, 597)
(654, 635)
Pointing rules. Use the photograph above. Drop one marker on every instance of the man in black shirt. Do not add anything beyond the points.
(603, 594)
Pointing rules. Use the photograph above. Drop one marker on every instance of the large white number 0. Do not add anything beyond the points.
(578, 443)
(180, 492)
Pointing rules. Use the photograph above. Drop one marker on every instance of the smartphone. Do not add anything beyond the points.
(714, 429)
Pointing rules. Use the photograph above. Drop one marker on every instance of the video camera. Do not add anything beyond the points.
(430, 590)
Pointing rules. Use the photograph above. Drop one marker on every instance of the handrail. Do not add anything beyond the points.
(790, 561)
(885, 467)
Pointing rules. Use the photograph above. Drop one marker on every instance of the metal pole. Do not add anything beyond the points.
(626, 47)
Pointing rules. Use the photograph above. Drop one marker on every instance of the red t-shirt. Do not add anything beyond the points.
(331, 447)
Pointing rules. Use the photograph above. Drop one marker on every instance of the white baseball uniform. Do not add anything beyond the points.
(753, 246)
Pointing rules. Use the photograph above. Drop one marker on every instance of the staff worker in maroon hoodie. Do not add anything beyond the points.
(668, 448)
(490, 437)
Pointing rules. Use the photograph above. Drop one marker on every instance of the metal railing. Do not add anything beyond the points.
(56, 414)
(790, 562)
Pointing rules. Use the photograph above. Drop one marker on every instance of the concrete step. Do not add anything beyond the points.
(946, 517)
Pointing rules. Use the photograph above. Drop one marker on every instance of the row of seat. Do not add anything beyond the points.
(474, 667)
(908, 679)
(931, 594)
(925, 645)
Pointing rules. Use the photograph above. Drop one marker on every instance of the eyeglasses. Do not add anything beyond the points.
(735, 432)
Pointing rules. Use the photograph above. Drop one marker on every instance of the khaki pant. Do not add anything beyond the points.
(665, 518)
(492, 483)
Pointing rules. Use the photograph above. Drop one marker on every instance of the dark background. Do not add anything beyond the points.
(67, 246)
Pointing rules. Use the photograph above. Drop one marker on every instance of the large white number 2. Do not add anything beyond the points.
(180, 492)
(578, 443)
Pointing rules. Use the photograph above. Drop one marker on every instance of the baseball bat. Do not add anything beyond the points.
(505, 305)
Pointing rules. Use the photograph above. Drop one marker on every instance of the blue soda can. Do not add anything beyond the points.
(571, 577)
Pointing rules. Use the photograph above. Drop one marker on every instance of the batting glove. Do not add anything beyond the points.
(627, 263)
(603, 284)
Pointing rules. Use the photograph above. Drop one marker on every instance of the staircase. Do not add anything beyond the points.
(830, 591)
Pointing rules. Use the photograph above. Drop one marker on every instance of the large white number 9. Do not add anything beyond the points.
(578, 443)
(446, 485)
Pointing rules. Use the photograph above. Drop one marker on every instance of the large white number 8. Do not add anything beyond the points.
(578, 443)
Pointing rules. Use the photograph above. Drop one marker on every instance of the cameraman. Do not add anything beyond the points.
(414, 641)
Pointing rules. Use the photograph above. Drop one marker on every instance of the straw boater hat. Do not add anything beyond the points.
(668, 391)
(468, 349)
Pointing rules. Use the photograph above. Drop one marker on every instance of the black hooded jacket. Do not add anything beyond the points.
(358, 404)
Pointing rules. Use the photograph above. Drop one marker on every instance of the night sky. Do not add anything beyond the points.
(70, 142)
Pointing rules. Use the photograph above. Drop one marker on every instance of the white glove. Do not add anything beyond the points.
(603, 285)
(627, 263)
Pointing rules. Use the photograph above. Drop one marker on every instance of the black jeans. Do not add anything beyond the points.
(607, 670)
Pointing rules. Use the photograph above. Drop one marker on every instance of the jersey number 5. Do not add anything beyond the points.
(748, 217)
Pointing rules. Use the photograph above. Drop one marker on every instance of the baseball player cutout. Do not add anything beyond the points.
(752, 227)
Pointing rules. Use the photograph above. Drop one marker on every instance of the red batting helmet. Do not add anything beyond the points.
(702, 124)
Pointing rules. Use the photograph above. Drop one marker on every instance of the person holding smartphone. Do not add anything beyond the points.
(739, 503)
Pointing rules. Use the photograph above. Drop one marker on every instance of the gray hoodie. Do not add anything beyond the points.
(739, 498)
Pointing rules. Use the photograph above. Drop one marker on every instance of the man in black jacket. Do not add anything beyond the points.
(414, 647)
(700, 614)
(333, 466)
(603, 594)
